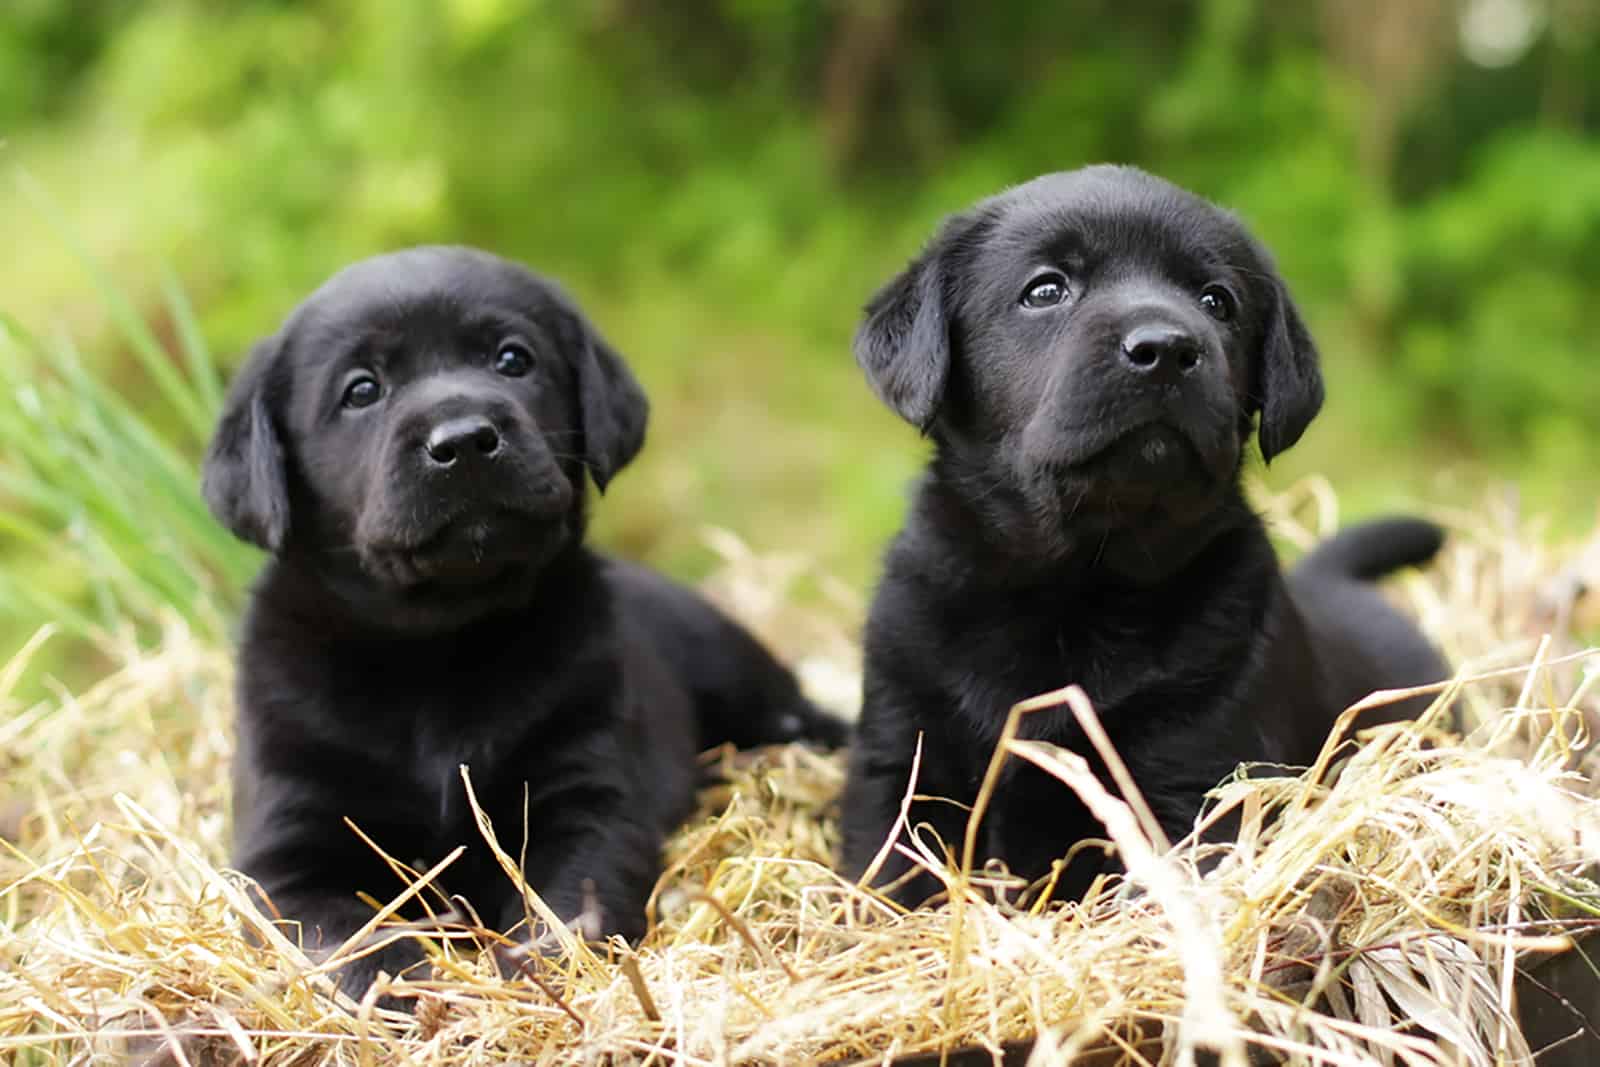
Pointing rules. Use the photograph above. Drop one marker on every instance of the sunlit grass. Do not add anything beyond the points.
(103, 529)
(1371, 919)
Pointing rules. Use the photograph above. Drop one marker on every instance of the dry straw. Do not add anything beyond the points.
(1403, 890)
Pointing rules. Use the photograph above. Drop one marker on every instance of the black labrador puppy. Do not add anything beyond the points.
(1088, 352)
(412, 448)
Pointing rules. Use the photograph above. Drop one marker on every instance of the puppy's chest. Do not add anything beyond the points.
(1004, 660)
(430, 731)
(1129, 672)
(439, 751)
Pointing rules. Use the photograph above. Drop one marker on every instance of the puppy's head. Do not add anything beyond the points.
(1089, 350)
(418, 431)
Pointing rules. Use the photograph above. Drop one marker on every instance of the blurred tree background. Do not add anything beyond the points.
(724, 182)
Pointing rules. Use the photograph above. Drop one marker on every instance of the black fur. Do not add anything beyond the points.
(1081, 522)
(430, 603)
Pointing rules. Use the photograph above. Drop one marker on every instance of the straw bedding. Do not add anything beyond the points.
(1400, 893)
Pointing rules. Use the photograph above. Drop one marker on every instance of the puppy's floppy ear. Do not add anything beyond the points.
(1287, 375)
(611, 402)
(904, 344)
(243, 478)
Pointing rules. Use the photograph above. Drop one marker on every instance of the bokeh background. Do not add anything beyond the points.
(723, 183)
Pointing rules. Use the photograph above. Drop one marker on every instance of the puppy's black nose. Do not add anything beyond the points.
(472, 436)
(1157, 348)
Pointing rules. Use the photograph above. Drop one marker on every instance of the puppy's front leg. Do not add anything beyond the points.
(879, 775)
(594, 869)
(329, 918)
(594, 840)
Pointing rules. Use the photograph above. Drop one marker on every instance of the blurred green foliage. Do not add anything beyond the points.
(724, 182)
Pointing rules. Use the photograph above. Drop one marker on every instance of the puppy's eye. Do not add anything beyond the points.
(513, 360)
(363, 392)
(1047, 290)
(1218, 303)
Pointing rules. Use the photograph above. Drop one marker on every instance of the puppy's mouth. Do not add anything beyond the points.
(1151, 473)
(467, 553)
(1154, 455)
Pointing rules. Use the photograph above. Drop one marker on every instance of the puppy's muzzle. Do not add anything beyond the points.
(479, 451)
(1149, 405)
(467, 446)
(465, 440)
(1160, 353)
(465, 473)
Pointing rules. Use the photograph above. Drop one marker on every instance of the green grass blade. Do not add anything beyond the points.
(203, 373)
(153, 359)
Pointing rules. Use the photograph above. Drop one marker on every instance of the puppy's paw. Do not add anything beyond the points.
(807, 722)
(543, 943)
(526, 955)
(184, 1041)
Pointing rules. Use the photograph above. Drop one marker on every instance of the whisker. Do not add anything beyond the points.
(1105, 539)
(1083, 494)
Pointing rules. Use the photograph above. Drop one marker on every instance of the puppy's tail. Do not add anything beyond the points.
(1369, 550)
